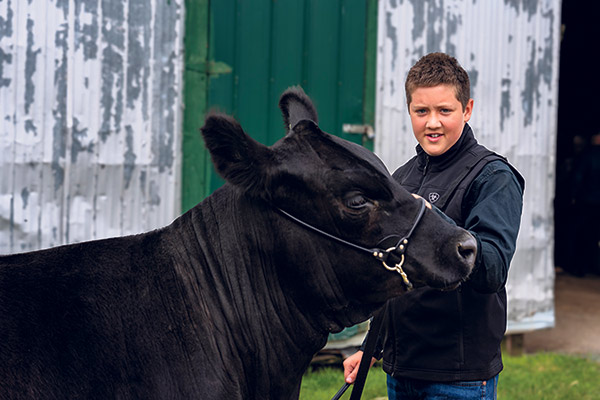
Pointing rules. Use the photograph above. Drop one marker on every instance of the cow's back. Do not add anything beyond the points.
(93, 320)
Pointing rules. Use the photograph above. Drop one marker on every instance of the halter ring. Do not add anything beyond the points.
(398, 269)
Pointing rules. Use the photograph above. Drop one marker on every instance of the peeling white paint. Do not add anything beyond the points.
(90, 94)
(510, 50)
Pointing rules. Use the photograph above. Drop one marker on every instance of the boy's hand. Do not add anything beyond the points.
(351, 365)
(427, 204)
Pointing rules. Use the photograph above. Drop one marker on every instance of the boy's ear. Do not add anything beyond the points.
(468, 111)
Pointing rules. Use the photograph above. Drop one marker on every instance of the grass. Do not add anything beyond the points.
(546, 376)
(324, 383)
(549, 376)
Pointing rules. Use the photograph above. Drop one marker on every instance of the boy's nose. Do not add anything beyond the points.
(433, 121)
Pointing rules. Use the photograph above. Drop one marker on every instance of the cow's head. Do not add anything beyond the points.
(346, 191)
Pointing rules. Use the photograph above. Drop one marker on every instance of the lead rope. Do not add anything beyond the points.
(365, 362)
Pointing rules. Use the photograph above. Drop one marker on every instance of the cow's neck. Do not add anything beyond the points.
(267, 326)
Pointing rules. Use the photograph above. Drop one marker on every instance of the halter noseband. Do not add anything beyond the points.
(385, 256)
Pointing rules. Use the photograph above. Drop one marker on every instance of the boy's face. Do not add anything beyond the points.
(437, 117)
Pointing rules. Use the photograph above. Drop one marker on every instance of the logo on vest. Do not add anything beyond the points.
(433, 197)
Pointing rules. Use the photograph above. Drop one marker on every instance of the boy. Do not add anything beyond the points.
(446, 344)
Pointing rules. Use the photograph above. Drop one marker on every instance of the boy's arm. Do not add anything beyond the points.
(492, 209)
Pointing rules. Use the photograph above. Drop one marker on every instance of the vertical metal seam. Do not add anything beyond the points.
(68, 128)
(121, 129)
(14, 127)
(337, 127)
(271, 80)
(305, 44)
(237, 59)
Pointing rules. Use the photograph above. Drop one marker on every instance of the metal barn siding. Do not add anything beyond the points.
(90, 121)
(510, 50)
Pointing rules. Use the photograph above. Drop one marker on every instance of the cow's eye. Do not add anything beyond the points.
(357, 201)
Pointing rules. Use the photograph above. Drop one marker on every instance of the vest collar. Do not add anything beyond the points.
(436, 163)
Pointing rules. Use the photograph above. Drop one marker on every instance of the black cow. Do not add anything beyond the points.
(233, 298)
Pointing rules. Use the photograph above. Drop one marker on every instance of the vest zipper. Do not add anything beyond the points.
(461, 322)
(425, 168)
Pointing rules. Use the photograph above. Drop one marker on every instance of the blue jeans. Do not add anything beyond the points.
(412, 389)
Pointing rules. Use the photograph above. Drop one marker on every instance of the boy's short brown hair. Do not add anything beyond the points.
(438, 69)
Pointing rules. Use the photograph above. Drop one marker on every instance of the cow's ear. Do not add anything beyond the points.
(296, 106)
(238, 158)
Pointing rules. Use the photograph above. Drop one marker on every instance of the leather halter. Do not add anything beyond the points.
(388, 256)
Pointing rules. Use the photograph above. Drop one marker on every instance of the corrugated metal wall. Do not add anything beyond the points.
(90, 121)
(511, 50)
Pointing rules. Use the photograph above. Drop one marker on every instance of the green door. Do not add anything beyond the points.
(253, 50)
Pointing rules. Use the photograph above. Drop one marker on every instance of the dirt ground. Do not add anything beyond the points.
(577, 317)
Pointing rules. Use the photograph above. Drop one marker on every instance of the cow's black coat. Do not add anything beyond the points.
(232, 299)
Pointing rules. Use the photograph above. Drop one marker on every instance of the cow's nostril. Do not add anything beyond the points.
(467, 249)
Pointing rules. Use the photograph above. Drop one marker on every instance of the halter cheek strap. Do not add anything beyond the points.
(390, 256)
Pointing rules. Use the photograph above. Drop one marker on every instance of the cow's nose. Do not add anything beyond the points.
(467, 249)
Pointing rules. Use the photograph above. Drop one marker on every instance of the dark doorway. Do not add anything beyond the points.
(576, 219)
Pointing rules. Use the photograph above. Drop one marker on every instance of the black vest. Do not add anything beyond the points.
(445, 336)
(444, 180)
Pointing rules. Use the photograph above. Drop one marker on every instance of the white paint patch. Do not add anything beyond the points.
(90, 96)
